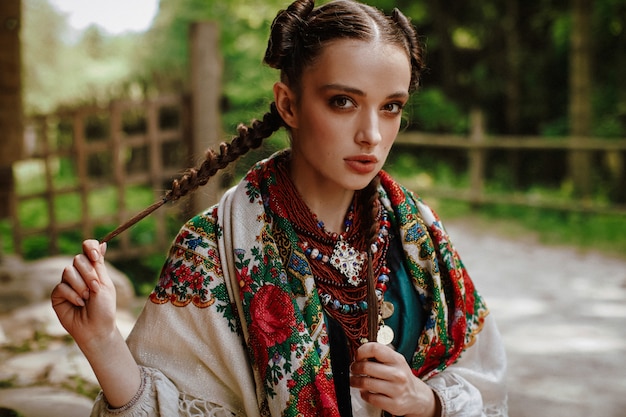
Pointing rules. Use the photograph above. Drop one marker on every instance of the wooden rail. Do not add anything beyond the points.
(133, 143)
(151, 143)
(477, 145)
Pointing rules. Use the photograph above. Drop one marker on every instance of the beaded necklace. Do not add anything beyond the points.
(337, 260)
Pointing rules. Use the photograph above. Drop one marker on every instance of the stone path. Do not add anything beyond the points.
(561, 312)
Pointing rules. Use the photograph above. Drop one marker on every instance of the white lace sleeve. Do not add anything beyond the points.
(158, 396)
(475, 385)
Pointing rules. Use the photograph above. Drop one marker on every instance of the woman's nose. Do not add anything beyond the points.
(369, 129)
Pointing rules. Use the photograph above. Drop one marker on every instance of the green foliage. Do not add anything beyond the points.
(485, 49)
(430, 110)
(599, 232)
(423, 171)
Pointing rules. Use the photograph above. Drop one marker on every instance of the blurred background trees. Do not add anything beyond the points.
(547, 68)
(510, 59)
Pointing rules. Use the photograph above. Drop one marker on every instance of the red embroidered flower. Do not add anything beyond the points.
(165, 280)
(318, 398)
(273, 316)
(197, 281)
(180, 238)
(244, 279)
(183, 273)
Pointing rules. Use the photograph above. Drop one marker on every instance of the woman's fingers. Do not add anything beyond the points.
(87, 272)
(386, 381)
(376, 352)
(74, 279)
(64, 293)
(94, 251)
(91, 249)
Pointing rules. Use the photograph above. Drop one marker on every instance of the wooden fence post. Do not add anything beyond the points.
(580, 86)
(11, 117)
(206, 79)
(477, 158)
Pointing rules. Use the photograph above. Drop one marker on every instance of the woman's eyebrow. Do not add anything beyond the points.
(345, 88)
(356, 91)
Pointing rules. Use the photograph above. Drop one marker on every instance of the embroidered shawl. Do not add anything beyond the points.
(266, 291)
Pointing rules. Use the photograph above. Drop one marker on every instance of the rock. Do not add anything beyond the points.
(12, 293)
(45, 402)
(23, 283)
(60, 365)
(3, 338)
(39, 320)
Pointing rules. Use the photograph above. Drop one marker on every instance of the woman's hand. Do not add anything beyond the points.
(386, 381)
(84, 300)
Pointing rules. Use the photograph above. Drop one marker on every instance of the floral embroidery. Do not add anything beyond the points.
(287, 339)
(190, 274)
(272, 315)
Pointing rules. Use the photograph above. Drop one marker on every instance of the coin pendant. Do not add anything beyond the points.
(385, 335)
(386, 310)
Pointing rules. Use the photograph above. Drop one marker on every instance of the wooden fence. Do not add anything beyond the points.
(111, 152)
(119, 151)
(477, 146)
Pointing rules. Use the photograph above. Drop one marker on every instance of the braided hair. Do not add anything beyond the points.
(300, 32)
(297, 37)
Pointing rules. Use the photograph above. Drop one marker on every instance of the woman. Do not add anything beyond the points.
(263, 306)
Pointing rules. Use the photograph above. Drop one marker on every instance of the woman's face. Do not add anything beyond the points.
(347, 114)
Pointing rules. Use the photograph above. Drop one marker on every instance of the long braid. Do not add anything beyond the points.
(369, 199)
(249, 137)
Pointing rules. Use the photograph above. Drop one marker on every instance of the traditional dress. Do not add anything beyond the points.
(237, 326)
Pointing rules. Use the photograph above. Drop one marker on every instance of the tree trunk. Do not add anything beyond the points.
(580, 110)
(443, 26)
(513, 108)
(11, 128)
(513, 58)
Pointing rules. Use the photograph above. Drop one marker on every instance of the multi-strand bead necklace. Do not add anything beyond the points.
(338, 261)
(344, 295)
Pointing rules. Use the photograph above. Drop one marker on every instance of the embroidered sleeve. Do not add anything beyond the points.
(157, 396)
(474, 385)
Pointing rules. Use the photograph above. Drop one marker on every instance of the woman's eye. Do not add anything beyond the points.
(394, 108)
(341, 102)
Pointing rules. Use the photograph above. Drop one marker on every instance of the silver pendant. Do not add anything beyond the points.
(348, 261)
(385, 335)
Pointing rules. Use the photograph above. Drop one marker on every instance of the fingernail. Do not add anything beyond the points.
(94, 255)
(80, 302)
(95, 286)
(86, 294)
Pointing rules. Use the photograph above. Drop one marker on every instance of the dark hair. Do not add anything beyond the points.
(300, 32)
(298, 35)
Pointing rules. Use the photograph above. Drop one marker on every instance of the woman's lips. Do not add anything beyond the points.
(362, 164)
